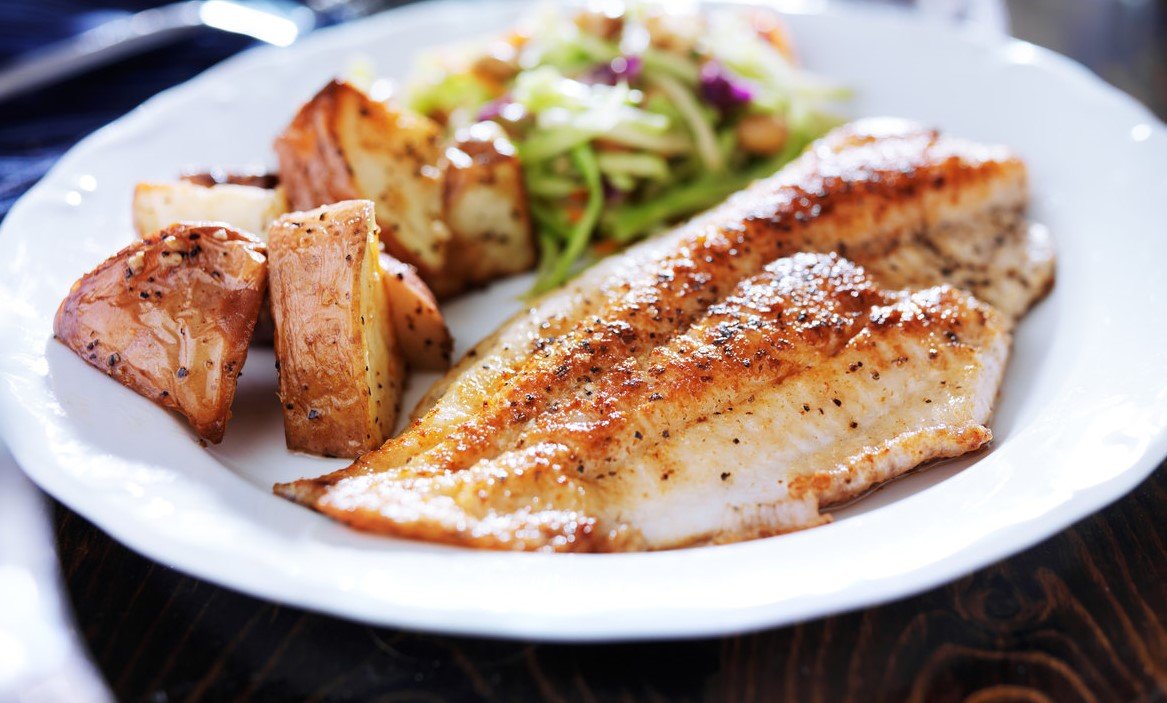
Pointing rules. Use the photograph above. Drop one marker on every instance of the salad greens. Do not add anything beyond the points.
(627, 120)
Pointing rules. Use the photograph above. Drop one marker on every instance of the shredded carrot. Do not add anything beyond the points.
(605, 247)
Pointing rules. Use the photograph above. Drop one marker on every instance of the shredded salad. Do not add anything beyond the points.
(628, 118)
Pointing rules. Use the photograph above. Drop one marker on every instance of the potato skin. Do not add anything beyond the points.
(343, 145)
(256, 177)
(421, 329)
(341, 372)
(312, 167)
(170, 317)
(484, 204)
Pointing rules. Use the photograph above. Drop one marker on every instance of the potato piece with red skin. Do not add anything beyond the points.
(484, 202)
(343, 145)
(417, 319)
(341, 370)
(170, 317)
(244, 207)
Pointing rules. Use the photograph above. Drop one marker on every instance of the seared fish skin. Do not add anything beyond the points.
(806, 386)
(880, 192)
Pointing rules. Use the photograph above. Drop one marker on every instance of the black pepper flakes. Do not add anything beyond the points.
(313, 414)
(725, 475)
(182, 372)
(114, 358)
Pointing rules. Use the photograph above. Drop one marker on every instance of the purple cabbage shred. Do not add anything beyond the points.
(721, 89)
(493, 109)
(612, 194)
(621, 68)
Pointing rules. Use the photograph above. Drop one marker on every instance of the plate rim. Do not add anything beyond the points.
(41, 465)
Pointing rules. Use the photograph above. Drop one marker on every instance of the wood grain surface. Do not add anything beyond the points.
(1080, 617)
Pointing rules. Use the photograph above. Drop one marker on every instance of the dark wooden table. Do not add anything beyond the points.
(1080, 617)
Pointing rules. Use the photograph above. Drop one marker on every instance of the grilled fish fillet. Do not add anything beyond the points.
(514, 452)
(914, 208)
(806, 386)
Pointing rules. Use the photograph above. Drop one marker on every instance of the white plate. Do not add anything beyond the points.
(1081, 420)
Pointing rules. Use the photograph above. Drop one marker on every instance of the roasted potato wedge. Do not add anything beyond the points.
(248, 208)
(341, 371)
(170, 317)
(344, 145)
(421, 330)
(485, 206)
